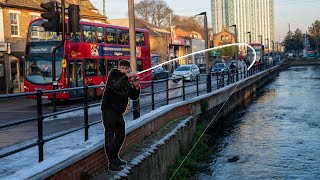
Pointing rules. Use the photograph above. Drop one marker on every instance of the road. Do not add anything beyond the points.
(16, 109)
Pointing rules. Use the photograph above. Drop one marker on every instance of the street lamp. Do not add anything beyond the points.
(206, 39)
(236, 49)
(262, 51)
(206, 53)
(250, 44)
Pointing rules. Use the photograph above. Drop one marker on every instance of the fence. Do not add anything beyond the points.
(188, 90)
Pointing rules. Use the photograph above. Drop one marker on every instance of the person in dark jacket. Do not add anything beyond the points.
(120, 86)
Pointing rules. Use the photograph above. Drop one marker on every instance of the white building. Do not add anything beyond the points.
(197, 45)
(255, 16)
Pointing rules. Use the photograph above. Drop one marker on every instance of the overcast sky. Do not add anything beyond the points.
(299, 13)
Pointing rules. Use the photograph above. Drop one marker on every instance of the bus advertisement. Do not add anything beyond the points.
(85, 58)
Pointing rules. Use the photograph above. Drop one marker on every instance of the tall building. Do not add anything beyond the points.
(255, 16)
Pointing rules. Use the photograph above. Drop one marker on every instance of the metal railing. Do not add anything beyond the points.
(188, 90)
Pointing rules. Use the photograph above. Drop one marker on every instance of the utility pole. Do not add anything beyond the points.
(132, 36)
(133, 60)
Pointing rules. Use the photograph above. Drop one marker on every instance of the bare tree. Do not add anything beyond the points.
(153, 11)
(189, 23)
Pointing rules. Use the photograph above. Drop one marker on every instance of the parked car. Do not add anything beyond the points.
(189, 72)
(159, 73)
(219, 61)
(219, 67)
(202, 68)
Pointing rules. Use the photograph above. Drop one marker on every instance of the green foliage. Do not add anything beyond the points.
(227, 51)
(204, 105)
(199, 154)
(293, 41)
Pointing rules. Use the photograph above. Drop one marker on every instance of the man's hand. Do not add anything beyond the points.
(136, 84)
(133, 77)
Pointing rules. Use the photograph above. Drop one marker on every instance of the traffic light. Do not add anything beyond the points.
(52, 15)
(74, 18)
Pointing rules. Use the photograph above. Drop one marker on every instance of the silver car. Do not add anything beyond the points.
(189, 72)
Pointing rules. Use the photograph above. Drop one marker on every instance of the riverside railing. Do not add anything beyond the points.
(158, 97)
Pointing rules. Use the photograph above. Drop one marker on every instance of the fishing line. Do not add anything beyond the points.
(218, 110)
(205, 50)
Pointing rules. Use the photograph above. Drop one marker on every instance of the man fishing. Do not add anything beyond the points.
(120, 86)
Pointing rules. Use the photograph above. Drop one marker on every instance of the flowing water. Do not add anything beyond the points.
(277, 136)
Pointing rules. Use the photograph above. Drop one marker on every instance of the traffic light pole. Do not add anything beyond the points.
(54, 81)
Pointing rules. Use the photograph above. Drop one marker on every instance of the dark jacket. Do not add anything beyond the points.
(117, 91)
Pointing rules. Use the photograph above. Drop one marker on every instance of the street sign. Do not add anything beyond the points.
(215, 53)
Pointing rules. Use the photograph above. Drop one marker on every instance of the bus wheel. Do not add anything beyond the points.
(91, 94)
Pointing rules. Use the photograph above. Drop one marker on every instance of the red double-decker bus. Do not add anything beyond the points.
(85, 58)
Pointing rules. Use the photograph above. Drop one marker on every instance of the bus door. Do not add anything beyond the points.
(76, 77)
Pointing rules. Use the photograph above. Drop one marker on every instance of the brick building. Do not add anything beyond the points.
(15, 16)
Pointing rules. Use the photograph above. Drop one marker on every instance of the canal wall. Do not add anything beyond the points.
(153, 163)
(304, 62)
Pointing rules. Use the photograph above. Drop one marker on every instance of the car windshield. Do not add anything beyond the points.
(183, 68)
(38, 69)
(219, 65)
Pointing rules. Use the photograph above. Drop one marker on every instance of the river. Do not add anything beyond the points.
(277, 136)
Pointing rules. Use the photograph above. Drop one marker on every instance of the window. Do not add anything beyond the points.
(1, 69)
(222, 38)
(102, 67)
(111, 64)
(91, 67)
(14, 24)
(89, 34)
(140, 39)
(139, 65)
(75, 37)
(120, 36)
(33, 17)
(126, 37)
(111, 36)
(100, 35)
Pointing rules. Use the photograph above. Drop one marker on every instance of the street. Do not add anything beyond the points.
(18, 109)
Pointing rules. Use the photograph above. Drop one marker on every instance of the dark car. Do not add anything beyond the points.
(219, 67)
(159, 73)
(202, 68)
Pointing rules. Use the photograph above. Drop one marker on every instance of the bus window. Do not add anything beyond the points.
(120, 36)
(140, 39)
(91, 67)
(75, 37)
(139, 65)
(112, 64)
(111, 36)
(89, 34)
(126, 37)
(100, 35)
(102, 67)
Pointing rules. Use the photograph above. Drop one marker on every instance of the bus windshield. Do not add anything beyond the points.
(38, 69)
(38, 34)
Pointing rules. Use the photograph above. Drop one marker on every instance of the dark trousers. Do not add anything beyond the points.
(114, 132)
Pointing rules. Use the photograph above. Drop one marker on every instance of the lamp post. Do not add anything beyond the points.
(236, 49)
(272, 50)
(268, 48)
(250, 44)
(206, 53)
(262, 51)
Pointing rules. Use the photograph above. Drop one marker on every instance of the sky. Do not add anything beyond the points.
(299, 13)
